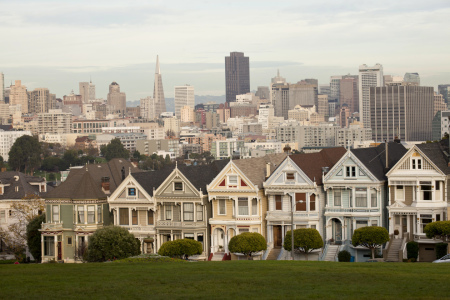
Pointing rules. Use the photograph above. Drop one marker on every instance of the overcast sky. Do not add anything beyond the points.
(57, 44)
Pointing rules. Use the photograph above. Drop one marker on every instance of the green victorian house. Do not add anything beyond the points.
(78, 207)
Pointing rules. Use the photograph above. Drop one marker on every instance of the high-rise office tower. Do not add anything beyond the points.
(158, 91)
(302, 93)
(237, 75)
(84, 91)
(335, 85)
(411, 79)
(91, 91)
(403, 111)
(184, 96)
(348, 91)
(147, 107)
(40, 100)
(368, 77)
(280, 99)
(263, 93)
(444, 90)
(18, 96)
(116, 98)
(2, 88)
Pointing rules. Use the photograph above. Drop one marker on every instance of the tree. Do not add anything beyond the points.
(439, 229)
(247, 243)
(371, 237)
(34, 236)
(136, 154)
(181, 248)
(114, 149)
(25, 154)
(305, 240)
(22, 212)
(112, 242)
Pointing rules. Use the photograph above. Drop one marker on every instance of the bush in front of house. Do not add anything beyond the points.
(412, 250)
(344, 256)
(247, 243)
(111, 242)
(181, 248)
(441, 250)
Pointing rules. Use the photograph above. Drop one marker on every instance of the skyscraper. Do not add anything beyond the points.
(237, 75)
(40, 101)
(91, 90)
(368, 77)
(18, 96)
(158, 91)
(116, 98)
(403, 111)
(412, 79)
(184, 96)
(444, 90)
(2, 88)
(84, 91)
(348, 91)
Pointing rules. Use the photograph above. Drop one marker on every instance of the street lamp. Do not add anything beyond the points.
(292, 224)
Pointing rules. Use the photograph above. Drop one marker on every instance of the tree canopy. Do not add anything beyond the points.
(25, 154)
(114, 149)
(438, 229)
(247, 243)
(371, 237)
(305, 240)
(112, 242)
(182, 248)
(34, 236)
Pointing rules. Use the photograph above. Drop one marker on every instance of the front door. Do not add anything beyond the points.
(337, 231)
(59, 251)
(404, 225)
(277, 236)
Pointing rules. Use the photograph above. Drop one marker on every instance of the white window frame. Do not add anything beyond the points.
(128, 191)
(350, 171)
(239, 207)
(58, 213)
(167, 209)
(175, 184)
(186, 212)
(224, 207)
(229, 179)
(416, 164)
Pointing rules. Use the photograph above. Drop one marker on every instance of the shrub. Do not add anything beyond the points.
(111, 242)
(371, 237)
(441, 250)
(438, 229)
(34, 236)
(412, 249)
(305, 240)
(247, 243)
(344, 256)
(181, 248)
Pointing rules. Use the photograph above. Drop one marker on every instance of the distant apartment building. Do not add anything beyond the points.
(347, 137)
(288, 132)
(301, 114)
(402, 111)
(212, 119)
(184, 96)
(187, 114)
(147, 107)
(89, 126)
(444, 90)
(439, 103)
(303, 93)
(149, 147)
(223, 149)
(317, 136)
(171, 126)
(348, 93)
(368, 77)
(41, 101)
(224, 112)
(266, 112)
(116, 98)
(445, 123)
(18, 96)
(237, 75)
(322, 105)
(54, 121)
(263, 92)
(128, 140)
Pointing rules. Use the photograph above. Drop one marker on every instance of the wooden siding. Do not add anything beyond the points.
(408, 195)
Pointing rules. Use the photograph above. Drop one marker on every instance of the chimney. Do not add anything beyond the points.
(105, 184)
(268, 170)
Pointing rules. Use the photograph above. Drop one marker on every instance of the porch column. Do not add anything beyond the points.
(307, 202)
(433, 190)
(195, 212)
(182, 211)
(352, 191)
(55, 238)
(283, 233)
(391, 222)
(42, 247)
(408, 223)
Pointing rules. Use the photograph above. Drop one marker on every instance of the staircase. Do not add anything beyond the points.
(393, 250)
(218, 256)
(331, 252)
(273, 254)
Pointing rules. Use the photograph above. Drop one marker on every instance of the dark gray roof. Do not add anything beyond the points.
(435, 152)
(23, 184)
(374, 158)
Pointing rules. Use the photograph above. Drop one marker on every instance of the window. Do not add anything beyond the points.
(426, 191)
(243, 206)
(132, 192)
(312, 202)
(91, 214)
(150, 217)
(373, 198)
(188, 212)
(300, 202)
(254, 207)
(438, 217)
(178, 186)
(361, 197)
(81, 214)
(168, 212)
(399, 192)
(134, 217)
(199, 212)
(2, 216)
(255, 230)
(123, 216)
(55, 213)
(241, 230)
(360, 224)
(417, 164)
(350, 171)
(222, 207)
(232, 180)
(424, 221)
(189, 236)
(278, 202)
(374, 223)
(99, 213)
(49, 246)
(337, 198)
(313, 226)
(290, 176)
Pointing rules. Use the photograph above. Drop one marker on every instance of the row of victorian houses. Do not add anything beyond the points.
(334, 191)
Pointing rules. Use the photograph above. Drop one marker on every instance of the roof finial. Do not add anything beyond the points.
(129, 170)
(176, 164)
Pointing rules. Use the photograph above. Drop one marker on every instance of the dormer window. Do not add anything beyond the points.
(232, 180)
(178, 186)
(290, 176)
(350, 171)
(416, 164)
(132, 192)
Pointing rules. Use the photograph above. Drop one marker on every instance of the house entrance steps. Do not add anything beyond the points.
(394, 249)
(274, 253)
(218, 256)
(331, 254)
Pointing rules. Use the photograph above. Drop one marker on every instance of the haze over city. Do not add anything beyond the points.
(56, 45)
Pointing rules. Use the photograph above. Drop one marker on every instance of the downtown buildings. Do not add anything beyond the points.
(237, 75)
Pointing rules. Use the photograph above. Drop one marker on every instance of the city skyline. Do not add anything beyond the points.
(115, 42)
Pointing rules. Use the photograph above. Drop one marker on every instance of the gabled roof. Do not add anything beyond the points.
(255, 168)
(435, 152)
(312, 163)
(22, 181)
(85, 183)
(374, 158)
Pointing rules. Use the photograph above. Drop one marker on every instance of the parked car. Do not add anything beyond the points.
(443, 259)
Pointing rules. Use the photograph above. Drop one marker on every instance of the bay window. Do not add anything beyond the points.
(188, 212)
(243, 206)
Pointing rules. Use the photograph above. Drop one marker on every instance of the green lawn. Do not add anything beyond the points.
(226, 280)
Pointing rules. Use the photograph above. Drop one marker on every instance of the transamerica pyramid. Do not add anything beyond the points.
(158, 91)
